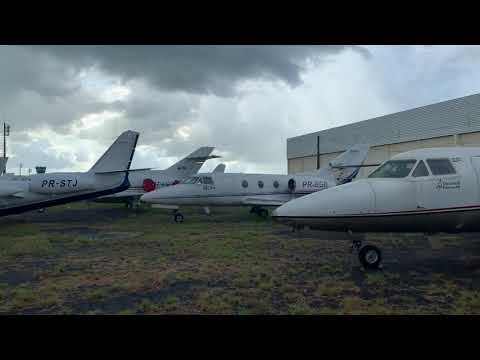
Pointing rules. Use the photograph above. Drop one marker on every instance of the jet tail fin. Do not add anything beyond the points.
(119, 155)
(192, 163)
(347, 165)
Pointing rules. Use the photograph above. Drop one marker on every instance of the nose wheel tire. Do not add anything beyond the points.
(178, 218)
(370, 256)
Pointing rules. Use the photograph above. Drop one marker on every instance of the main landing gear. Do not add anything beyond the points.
(259, 211)
(132, 204)
(177, 216)
(369, 256)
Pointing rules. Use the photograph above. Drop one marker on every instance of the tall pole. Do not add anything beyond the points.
(4, 167)
(6, 132)
(318, 152)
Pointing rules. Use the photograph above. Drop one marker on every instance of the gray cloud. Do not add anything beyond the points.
(22, 70)
(245, 100)
(197, 69)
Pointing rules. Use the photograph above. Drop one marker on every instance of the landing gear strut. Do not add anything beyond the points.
(369, 256)
(132, 204)
(177, 216)
(259, 211)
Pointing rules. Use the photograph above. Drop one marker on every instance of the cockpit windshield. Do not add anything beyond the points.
(394, 169)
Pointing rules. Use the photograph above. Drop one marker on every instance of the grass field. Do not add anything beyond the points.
(104, 259)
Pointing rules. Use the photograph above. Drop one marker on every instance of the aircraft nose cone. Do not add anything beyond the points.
(352, 198)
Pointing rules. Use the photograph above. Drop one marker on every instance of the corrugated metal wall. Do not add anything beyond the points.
(378, 154)
(457, 116)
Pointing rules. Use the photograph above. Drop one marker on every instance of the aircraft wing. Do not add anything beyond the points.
(262, 201)
(124, 195)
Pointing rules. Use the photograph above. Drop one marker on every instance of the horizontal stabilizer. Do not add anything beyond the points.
(121, 171)
(204, 158)
(354, 166)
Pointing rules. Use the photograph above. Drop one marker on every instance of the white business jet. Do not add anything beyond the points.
(426, 190)
(109, 175)
(148, 180)
(257, 190)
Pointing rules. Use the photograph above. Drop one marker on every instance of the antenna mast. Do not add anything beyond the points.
(6, 132)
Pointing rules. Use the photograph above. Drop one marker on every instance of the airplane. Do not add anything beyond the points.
(149, 180)
(108, 175)
(421, 191)
(256, 190)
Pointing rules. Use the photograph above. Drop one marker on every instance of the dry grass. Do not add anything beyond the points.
(107, 260)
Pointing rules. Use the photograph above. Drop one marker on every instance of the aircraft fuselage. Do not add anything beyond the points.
(232, 189)
(443, 197)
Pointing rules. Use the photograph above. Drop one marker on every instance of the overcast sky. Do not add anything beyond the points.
(66, 104)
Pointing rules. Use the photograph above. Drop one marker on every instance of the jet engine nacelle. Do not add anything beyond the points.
(306, 184)
(61, 183)
(8, 189)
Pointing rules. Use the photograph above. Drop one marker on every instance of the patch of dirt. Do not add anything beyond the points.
(117, 303)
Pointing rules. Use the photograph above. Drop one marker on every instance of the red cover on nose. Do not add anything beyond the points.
(148, 185)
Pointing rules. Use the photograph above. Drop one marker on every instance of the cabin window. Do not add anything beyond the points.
(260, 184)
(276, 184)
(420, 170)
(441, 166)
(394, 169)
(208, 180)
(245, 183)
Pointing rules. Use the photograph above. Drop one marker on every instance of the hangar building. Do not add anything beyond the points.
(454, 122)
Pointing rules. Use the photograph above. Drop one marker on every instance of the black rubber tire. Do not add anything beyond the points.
(370, 257)
(178, 218)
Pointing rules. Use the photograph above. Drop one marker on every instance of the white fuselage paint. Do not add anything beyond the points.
(136, 189)
(432, 203)
(238, 190)
(50, 189)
